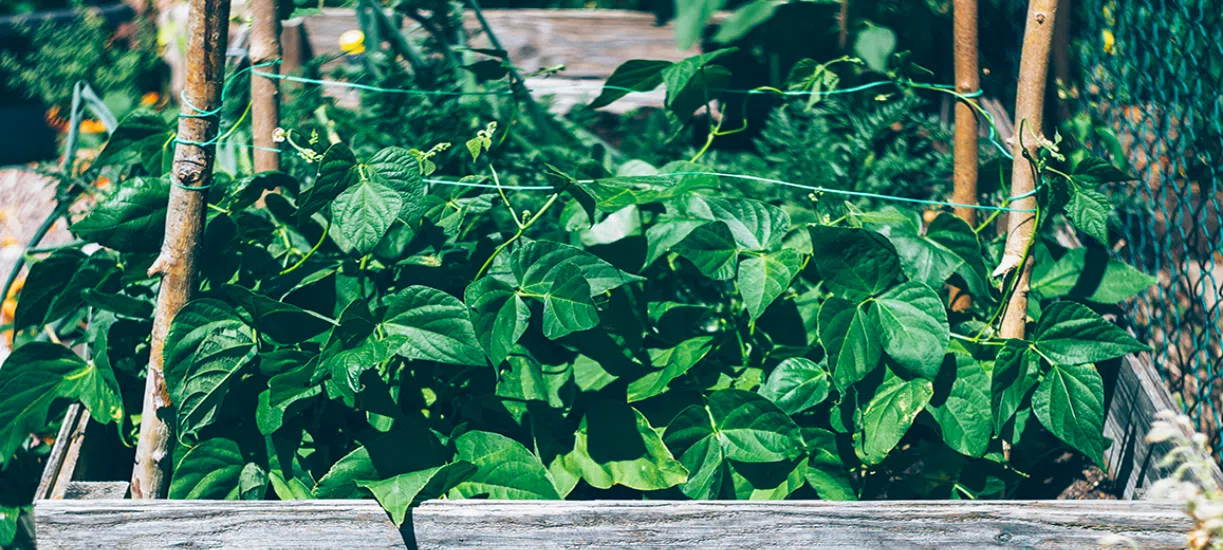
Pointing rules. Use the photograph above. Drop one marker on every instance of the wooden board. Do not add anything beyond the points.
(606, 524)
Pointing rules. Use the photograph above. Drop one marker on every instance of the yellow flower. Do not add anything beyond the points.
(92, 127)
(1109, 41)
(7, 241)
(352, 42)
(150, 99)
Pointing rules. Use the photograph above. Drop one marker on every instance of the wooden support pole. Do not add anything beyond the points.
(967, 81)
(191, 173)
(1029, 121)
(265, 91)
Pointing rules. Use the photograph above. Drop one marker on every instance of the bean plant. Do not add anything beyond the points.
(369, 327)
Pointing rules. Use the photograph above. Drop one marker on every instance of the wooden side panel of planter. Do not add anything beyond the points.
(607, 524)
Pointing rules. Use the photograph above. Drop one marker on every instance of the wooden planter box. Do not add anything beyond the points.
(82, 514)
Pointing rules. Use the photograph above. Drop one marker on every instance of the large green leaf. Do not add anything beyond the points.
(45, 281)
(363, 213)
(206, 348)
(336, 172)
(209, 471)
(693, 82)
(773, 481)
(615, 445)
(1014, 374)
(568, 307)
(1090, 274)
(796, 384)
(435, 324)
(285, 390)
(889, 415)
(132, 219)
(691, 436)
(854, 261)
(691, 16)
(1095, 170)
(671, 364)
(35, 377)
(913, 327)
(875, 46)
(125, 144)
(498, 316)
(755, 225)
(407, 448)
(1069, 402)
(956, 236)
(100, 267)
(505, 469)
(397, 494)
(282, 322)
(826, 472)
(850, 336)
(1088, 210)
(634, 75)
(744, 19)
(765, 276)
(963, 413)
(712, 249)
(665, 234)
(752, 428)
(398, 170)
(1073, 334)
(923, 260)
(535, 264)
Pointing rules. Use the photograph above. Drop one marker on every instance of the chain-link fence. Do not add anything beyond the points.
(1152, 72)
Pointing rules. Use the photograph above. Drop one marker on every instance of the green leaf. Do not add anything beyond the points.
(634, 75)
(796, 384)
(252, 482)
(207, 346)
(826, 472)
(37, 375)
(764, 277)
(615, 445)
(691, 436)
(1095, 171)
(45, 281)
(913, 327)
(773, 481)
(1090, 274)
(282, 322)
(1015, 370)
(1070, 403)
(956, 236)
(850, 336)
(889, 415)
(211, 470)
(744, 19)
(488, 69)
(285, 390)
(93, 273)
(436, 325)
(568, 307)
(671, 363)
(505, 469)
(691, 16)
(712, 249)
(397, 169)
(536, 263)
(498, 316)
(1088, 211)
(363, 213)
(875, 46)
(691, 82)
(125, 143)
(336, 172)
(664, 235)
(132, 219)
(854, 261)
(119, 304)
(755, 225)
(752, 428)
(614, 193)
(1073, 334)
(964, 414)
(923, 260)
(397, 494)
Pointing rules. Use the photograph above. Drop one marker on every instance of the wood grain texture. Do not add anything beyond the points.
(607, 524)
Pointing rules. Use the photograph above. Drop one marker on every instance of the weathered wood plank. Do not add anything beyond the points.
(95, 490)
(607, 524)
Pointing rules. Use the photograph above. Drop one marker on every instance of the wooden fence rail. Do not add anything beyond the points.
(607, 524)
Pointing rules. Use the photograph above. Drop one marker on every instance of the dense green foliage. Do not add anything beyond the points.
(639, 330)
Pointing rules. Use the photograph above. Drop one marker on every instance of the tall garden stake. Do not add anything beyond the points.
(207, 34)
(1029, 121)
(265, 91)
(967, 81)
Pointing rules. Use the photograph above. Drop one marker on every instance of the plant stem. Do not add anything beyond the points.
(505, 199)
(522, 229)
(207, 32)
(313, 249)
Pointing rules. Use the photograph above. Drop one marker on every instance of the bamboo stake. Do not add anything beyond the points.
(1029, 121)
(265, 91)
(207, 34)
(967, 81)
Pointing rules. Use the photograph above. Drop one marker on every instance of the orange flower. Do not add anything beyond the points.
(150, 99)
(7, 241)
(92, 127)
(7, 310)
(55, 121)
(17, 286)
(102, 182)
